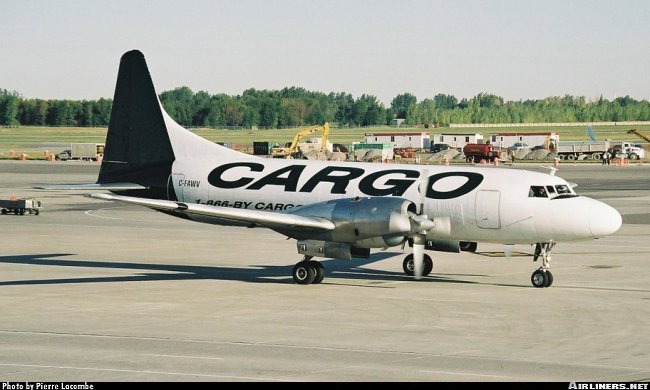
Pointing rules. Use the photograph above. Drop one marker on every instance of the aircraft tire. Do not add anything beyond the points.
(408, 265)
(539, 278)
(319, 270)
(549, 277)
(428, 265)
(303, 273)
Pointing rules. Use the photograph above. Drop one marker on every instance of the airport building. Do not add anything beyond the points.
(400, 140)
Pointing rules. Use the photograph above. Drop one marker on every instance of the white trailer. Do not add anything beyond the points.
(458, 141)
(506, 140)
(82, 151)
(574, 150)
(400, 140)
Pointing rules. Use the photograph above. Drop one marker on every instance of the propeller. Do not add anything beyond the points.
(420, 224)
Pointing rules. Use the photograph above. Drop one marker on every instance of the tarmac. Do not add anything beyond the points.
(97, 291)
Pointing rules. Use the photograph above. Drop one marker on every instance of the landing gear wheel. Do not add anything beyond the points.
(539, 278)
(303, 273)
(319, 270)
(409, 265)
(549, 278)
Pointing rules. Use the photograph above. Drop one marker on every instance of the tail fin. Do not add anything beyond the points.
(138, 148)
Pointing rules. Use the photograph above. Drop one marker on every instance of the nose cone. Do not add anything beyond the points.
(604, 220)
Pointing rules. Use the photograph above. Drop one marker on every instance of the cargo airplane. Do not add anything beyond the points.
(333, 209)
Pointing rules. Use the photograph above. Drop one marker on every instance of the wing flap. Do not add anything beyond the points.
(257, 217)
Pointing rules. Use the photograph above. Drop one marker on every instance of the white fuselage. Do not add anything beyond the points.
(466, 203)
(498, 208)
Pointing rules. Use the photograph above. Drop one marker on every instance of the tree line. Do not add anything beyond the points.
(292, 107)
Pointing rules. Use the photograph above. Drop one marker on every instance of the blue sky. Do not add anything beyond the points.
(517, 49)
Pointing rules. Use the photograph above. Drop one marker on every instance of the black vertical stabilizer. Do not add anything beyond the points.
(138, 149)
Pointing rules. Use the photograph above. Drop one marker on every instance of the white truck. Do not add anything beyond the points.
(82, 151)
(629, 151)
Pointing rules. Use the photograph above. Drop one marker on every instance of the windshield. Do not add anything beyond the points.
(551, 191)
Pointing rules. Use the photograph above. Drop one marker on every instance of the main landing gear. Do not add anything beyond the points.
(308, 271)
(543, 277)
(409, 265)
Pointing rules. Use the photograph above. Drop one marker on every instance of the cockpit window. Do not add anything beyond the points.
(537, 192)
(563, 189)
(550, 189)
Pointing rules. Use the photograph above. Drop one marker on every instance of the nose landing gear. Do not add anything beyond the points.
(543, 277)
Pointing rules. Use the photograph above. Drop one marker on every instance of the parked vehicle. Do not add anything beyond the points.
(20, 206)
(629, 151)
(477, 152)
(517, 146)
(82, 151)
(574, 150)
(435, 148)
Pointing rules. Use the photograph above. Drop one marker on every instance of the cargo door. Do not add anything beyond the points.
(487, 209)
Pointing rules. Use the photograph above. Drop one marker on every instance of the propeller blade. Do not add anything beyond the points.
(418, 255)
(508, 249)
(422, 189)
(418, 260)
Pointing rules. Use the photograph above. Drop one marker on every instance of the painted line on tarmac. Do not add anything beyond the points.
(182, 356)
(465, 374)
(139, 371)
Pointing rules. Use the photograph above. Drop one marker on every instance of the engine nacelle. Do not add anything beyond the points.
(440, 245)
(337, 250)
(365, 222)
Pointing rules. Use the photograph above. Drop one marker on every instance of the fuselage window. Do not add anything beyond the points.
(537, 192)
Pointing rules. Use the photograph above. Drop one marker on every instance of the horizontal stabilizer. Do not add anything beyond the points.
(257, 217)
(92, 186)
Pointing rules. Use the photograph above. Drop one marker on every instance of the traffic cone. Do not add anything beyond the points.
(446, 161)
(496, 162)
(23, 156)
(556, 162)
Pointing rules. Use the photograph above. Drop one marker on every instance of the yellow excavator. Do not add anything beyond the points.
(291, 150)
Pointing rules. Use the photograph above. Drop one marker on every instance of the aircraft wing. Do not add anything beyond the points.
(93, 186)
(255, 217)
